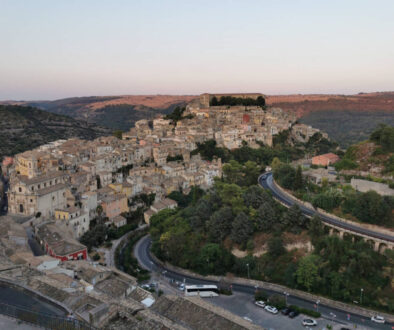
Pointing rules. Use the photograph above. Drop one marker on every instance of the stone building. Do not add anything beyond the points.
(42, 194)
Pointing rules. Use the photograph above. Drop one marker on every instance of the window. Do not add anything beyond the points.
(20, 189)
(39, 186)
(31, 201)
(21, 208)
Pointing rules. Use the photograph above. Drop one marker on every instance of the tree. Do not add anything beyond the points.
(118, 134)
(254, 196)
(265, 218)
(219, 225)
(307, 271)
(276, 247)
(260, 101)
(214, 259)
(241, 228)
(233, 172)
(293, 219)
(298, 182)
(275, 164)
(371, 208)
(214, 101)
(315, 228)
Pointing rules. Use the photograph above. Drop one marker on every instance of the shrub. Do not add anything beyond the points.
(278, 301)
(306, 311)
(260, 295)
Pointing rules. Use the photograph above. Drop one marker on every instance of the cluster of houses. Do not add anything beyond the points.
(67, 182)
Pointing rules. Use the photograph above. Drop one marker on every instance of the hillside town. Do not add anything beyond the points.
(58, 190)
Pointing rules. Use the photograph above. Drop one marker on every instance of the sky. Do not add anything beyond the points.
(55, 49)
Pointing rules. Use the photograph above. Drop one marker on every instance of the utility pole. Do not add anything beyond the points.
(247, 265)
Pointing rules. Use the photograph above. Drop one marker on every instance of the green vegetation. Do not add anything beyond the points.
(200, 236)
(384, 137)
(231, 101)
(174, 158)
(24, 128)
(305, 311)
(177, 115)
(348, 127)
(127, 262)
(118, 134)
(367, 207)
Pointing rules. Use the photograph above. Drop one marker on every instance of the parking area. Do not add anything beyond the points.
(242, 305)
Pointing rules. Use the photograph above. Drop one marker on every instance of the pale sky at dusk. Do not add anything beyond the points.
(60, 48)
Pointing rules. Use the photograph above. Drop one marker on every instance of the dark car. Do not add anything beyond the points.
(293, 314)
(286, 311)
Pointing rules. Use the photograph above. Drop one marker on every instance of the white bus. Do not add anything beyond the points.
(201, 290)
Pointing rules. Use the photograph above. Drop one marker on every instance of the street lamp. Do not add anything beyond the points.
(286, 295)
(317, 305)
(361, 296)
(247, 265)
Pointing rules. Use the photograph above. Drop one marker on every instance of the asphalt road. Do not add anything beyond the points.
(266, 181)
(142, 253)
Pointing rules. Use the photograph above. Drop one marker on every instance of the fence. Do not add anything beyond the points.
(43, 320)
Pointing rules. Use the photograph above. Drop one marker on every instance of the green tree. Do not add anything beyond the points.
(214, 259)
(214, 101)
(307, 271)
(298, 182)
(265, 217)
(315, 228)
(371, 208)
(233, 172)
(293, 220)
(276, 163)
(242, 228)
(220, 224)
(118, 134)
(254, 197)
(276, 247)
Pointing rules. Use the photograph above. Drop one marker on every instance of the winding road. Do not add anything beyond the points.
(143, 255)
(266, 181)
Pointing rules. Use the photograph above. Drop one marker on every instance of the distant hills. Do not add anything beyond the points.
(23, 128)
(114, 112)
(347, 119)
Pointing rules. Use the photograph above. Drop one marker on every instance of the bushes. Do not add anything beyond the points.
(306, 311)
(277, 301)
(260, 295)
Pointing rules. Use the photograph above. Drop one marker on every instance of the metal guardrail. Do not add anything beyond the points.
(43, 320)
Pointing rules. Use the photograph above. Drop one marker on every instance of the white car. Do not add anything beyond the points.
(309, 322)
(271, 309)
(378, 319)
(260, 303)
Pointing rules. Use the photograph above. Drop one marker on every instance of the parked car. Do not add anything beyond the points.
(145, 286)
(293, 314)
(182, 287)
(286, 311)
(309, 322)
(271, 309)
(260, 303)
(378, 319)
